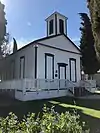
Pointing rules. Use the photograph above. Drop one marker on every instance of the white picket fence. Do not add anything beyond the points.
(32, 89)
(45, 84)
(35, 84)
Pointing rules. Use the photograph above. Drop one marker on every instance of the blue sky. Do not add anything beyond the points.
(26, 18)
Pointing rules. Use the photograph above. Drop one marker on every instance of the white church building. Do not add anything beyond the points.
(44, 68)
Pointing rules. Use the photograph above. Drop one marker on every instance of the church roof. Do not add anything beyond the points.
(41, 39)
(44, 38)
(54, 14)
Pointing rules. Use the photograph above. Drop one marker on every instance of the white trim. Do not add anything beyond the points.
(54, 14)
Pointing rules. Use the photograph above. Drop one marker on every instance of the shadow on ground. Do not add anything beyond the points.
(88, 103)
(89, 110)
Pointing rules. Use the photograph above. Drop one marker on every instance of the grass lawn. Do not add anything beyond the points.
(89, 110)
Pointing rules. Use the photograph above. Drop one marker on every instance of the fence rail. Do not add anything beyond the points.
(44, 84)
(34, 84)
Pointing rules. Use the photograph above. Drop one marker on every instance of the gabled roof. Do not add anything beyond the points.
(42, 39)
(54, 14)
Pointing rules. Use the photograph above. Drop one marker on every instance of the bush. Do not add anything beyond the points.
(47, 122)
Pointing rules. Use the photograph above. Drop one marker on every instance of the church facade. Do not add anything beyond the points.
(42, 63)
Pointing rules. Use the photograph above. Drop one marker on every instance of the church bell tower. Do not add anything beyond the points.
(56, 24)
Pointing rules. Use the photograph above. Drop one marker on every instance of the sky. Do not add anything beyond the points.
(26, 18)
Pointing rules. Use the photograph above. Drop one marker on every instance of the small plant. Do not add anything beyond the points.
(48, 121)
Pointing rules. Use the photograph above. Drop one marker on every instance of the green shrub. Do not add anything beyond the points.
(47, 122)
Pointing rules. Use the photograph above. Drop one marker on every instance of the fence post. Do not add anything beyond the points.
(36, 81)
(48, 85)
(73, 90)
(24, 86)
(58, 80)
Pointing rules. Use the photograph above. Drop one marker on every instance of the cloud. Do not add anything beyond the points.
(22, 42)
(76, 39)
(29, 24)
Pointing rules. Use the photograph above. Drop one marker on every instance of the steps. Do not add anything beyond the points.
(81, 91)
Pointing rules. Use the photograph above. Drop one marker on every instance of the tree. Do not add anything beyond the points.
(14, 45)
(89, 60)
(4, 36)
(94, 8)
(6, 47)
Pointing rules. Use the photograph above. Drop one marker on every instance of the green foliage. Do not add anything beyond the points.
(5, 47)
(3, 23)
(94, 8)
(89, 60)
(4, 36)
(14, 45)
(47, 122)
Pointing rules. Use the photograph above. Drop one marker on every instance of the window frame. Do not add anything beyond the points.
(51, 26)
(72, 59)
(61, 26)
(50, 55)
(22, 57)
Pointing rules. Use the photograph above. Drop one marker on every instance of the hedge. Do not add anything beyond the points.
(48, 121)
